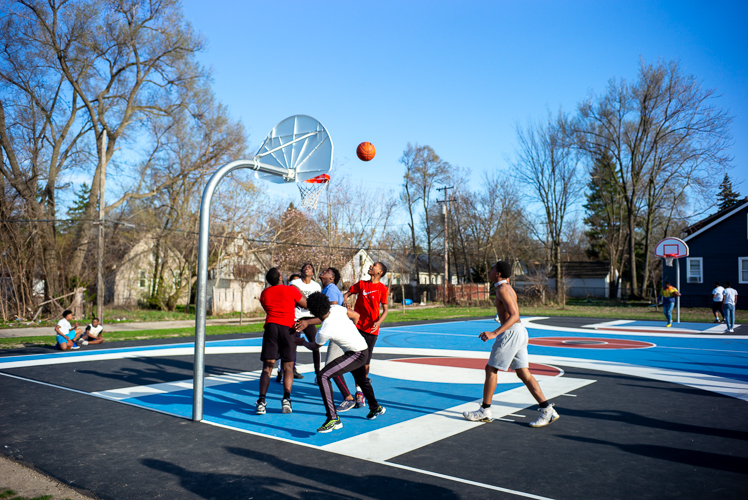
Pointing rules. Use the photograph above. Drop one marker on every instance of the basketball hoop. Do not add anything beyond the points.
(310, 190)
(669, 259)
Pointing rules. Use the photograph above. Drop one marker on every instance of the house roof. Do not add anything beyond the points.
(710, 221)
(583, 270)
(407, 262)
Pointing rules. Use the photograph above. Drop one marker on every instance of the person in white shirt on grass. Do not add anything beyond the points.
(717, 305)
(67, 334)
(94, 333)
(731, 300)
(337, 327)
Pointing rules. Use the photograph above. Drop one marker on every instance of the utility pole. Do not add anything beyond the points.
(445, 211)
(100, 287)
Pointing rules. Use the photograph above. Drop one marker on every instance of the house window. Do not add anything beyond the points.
(695, 269)
(743, 269)
(142, 279)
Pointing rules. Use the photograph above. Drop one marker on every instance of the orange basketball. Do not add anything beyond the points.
(365, 151)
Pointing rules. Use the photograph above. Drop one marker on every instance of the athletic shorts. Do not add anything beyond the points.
(370, 341)
(717, 306)
(277, 343)
(510, 349)
(69, 338)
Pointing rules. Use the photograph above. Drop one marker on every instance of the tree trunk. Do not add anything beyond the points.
(632, 248)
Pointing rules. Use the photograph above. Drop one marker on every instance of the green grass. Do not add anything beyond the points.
(6, 493)
(606, 310)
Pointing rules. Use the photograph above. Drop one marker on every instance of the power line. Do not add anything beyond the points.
(187, 231)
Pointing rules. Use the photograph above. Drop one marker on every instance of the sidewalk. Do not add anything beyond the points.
(126, 327)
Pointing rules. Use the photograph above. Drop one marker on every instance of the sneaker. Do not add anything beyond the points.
(379, 410)
(297, 375)
(732, 330)
(84, 342)
(286, 405)
(547, 415)
(480, 415)
(360, 399)
(727, 330)
(668, 325)
(346, 405)
(330, 425)
(75, 346)
(261, 407)
(716, 320)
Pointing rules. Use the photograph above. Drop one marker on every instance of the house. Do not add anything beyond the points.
(718, 251)
(134, 275)
(585, 279)
(224, 288)
(400, 269)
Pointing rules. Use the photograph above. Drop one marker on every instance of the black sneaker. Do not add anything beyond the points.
(379, 410)
(297, 375)
(330, 425)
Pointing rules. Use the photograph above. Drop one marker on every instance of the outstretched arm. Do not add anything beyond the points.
(312, 346)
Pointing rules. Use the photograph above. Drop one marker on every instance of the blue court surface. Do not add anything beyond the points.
(425, 375)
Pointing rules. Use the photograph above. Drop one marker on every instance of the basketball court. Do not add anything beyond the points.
(644, 412)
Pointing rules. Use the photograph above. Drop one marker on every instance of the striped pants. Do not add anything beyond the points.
(353, 362)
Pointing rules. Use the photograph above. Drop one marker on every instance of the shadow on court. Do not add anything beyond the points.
(294, 480)
(695, 458)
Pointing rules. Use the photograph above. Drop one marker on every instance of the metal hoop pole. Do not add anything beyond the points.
(202, 281)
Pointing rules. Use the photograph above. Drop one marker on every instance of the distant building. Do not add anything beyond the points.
(585, 279)
(134, 275)
(718, 251)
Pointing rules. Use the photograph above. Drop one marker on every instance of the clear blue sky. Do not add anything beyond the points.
(455, 75)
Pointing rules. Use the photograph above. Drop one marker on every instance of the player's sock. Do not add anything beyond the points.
(261, 398)
(286, 395)
(484, 405)
(544, 404)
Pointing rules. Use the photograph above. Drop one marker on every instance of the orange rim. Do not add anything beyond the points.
(320, 179)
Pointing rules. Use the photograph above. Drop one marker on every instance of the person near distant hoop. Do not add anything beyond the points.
(668, 293)
(509, 351)
(718, 299)
(296, 374)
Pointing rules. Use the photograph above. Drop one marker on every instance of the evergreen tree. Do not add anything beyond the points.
(727, 197)
(78, 207)
(602, 215)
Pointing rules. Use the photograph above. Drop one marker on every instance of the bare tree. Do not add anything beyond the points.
(244, 273)
(663, 128)
(547, 163)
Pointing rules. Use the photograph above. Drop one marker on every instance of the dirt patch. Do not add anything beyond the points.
(28, 483)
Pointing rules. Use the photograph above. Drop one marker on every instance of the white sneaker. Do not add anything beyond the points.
(286, 405)
(547, 415)
(496, 319)
(732, 331)
(480, 415)
(84, 342)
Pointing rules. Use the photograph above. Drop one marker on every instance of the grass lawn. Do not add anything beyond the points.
(586, 310)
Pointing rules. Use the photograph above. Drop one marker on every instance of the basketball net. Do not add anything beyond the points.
(310, 190)
(669, 260)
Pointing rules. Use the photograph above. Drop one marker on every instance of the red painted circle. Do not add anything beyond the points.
(590, 343)
(478, 364)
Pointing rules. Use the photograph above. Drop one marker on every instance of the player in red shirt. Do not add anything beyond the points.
(370, 295)
(279, 302)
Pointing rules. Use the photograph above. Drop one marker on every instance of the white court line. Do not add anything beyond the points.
(394, 440)
(528, 322)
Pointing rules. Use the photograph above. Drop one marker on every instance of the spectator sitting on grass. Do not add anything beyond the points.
(67, 334)
(94, 333)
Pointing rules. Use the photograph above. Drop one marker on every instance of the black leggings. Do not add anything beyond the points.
(353, 362)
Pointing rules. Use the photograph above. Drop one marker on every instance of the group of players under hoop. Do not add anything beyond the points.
(296, 309)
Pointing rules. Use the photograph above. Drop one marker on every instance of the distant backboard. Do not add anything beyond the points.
(671, 247)
(299, 144)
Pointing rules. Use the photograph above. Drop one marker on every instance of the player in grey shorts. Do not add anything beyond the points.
(509, 350)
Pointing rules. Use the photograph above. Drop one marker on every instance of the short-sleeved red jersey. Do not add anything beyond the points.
(279, 302)
(370, 296)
